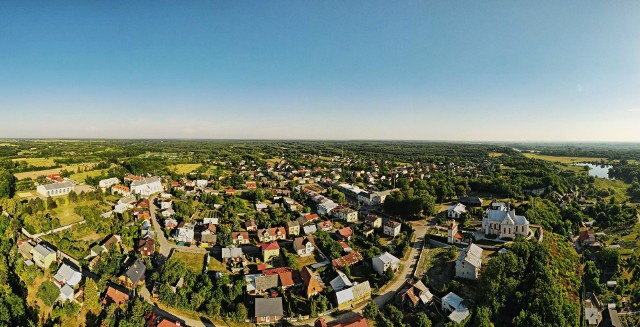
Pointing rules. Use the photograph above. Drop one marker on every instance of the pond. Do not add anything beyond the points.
(599, 171)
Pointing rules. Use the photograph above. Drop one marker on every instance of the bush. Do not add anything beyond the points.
(48, 292)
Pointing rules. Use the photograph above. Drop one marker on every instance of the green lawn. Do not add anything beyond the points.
(215, 265)
(193, 261)
(82, 177)
(618, 186)
(66, 212)
(565, 160)
(184, 168)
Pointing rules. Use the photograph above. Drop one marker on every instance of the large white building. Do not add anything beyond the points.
(456, 210)
(107, 183)
(504, 223)
(146, 186)
(385, 261)
(469, 262)
(55, 189)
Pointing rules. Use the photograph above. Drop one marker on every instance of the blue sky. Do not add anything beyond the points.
(411, 70)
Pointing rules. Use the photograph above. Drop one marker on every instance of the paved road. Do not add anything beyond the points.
(389, 292)
(164, 250)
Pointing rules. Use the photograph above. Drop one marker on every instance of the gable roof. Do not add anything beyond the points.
(68, 275)
(266, 282)
(387, 258)
(270, 246)
(340, 282)
(116, 296)
(348, 259)
(268, 307)
(310, 280)
(509, 217)
(43, 249)
(472, 255)
(136, 271)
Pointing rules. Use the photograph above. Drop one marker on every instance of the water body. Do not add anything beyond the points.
(599, 171)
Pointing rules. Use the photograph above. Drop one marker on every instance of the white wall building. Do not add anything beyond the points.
(456, 210)
(505, 223)
(55, 189)
(385, 261)
(107, 183)
(146, 186)
(469, 262)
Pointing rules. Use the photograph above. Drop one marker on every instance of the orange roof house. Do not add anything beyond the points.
(311, 284)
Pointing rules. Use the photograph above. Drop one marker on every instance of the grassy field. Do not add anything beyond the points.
(66, 212)
(37, 162)
(565, 160)
(495, 154)
(427, 259)
(37, 173)
(82, 177)
(215, 265)
(620, 188)
(184, 168)
(193, 261)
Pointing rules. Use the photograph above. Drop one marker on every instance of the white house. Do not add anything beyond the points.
(383, 262)
(456, 210)
(107, 183)
(392, 228)
(340, 282)
(469, 262)
(454, 304)
(67, 275)
(55, 189)
(303, 246)
(505, 223)
(347, 214)
(453, 236)
(185, 233)
(146, 186)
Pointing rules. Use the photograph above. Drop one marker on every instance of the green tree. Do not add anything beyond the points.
(482, 317)
(421, 320)
(7, 184)
(370, 311)
(91, 296)
(48, 293)
(241, 312)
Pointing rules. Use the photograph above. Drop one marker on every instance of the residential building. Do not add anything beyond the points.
(146, 186)
(470, 201)
(340, 282)
(505, 223)
(67, 274)
(134, 275)
(349, 259)
(146, 246)
(268, 310)
(303, 246)
(414, 296)
(373, 221)
(345, 213)
(312, 282)
(270, 251)
(456, 210)
(293, 228)
(115, 296)
(392, 228)
(250, 226)
(185, 233)
(234, 258)
(285, 275)
(588, 237)
(357, 321)
(345, 233)
(55, 189)
(469, 262)
(385, 261)
(326, 225)
(347, 298)
(238, 238)
(272, 234)
(453, 236)
(453, 304)
(107, 183)
(43, 255)
(120, 189)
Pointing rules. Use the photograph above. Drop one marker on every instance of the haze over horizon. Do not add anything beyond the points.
(461, 71)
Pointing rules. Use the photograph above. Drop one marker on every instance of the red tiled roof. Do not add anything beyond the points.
(345, 232)
(311, 216)
(349, 259)
(270, 246)
(115, 296)
(167, 323)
